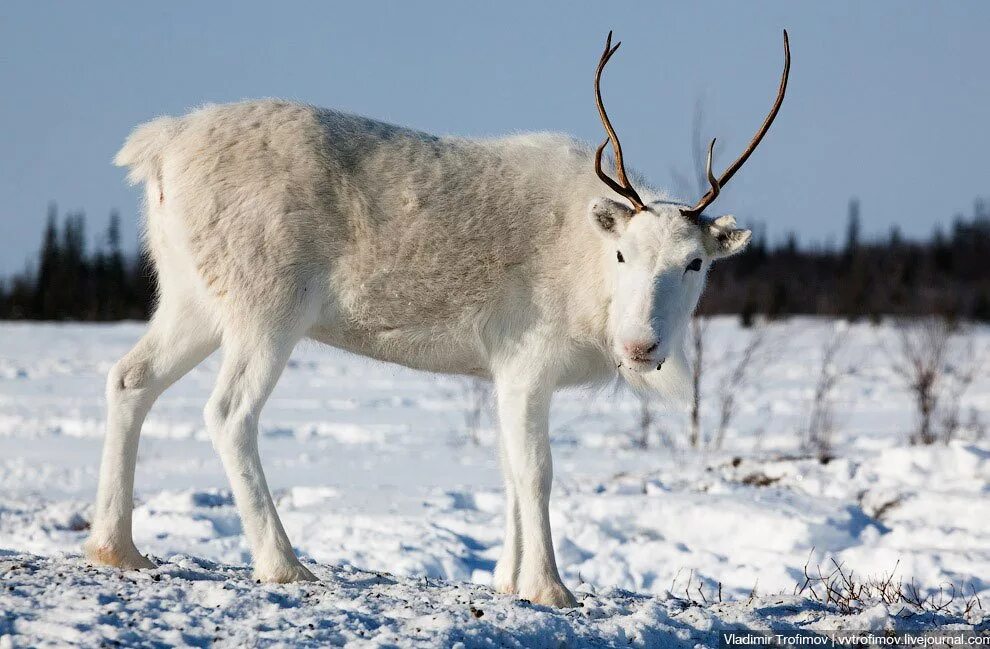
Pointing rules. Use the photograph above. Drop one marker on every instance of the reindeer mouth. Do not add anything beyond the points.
(640, 364)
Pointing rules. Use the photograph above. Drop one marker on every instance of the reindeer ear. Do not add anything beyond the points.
(609, 217)
(726, 239)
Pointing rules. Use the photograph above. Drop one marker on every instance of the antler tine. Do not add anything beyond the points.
(712, 180)
(616, 187)
(707, 199)
(623, 187)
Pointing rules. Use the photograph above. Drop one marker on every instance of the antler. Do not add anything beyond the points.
(717, 185)
(623, 187)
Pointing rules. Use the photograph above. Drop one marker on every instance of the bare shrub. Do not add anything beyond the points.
(839, 586)
(920, 365)
(699, 328)
(479, 400)
(821, 421)
(476, 396)
(937, 361)
(694, 593)
(753, 357)
(646, 422)
(743, 365)
(977, 427)
(959, 375)
(649, 424)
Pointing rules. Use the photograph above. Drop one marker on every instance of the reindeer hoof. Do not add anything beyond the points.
(284, 573)
(504, 580)
(116, 555)
(550, 594)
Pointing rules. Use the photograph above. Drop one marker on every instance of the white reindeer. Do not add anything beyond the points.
(506, 259)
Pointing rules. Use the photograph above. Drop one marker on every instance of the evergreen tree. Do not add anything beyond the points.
(74, 268)
(852, 229)
(49, 268)
(115, 286)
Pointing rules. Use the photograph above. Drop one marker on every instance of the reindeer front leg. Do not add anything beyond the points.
(506, 574)
(523, 410)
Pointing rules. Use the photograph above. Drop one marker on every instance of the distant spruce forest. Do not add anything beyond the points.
(948, 273)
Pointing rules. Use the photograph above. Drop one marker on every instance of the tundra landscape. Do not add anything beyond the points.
(411, 325)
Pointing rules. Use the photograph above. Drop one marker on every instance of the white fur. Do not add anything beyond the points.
(272, 221)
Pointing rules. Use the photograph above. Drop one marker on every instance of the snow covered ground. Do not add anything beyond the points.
(400, 514)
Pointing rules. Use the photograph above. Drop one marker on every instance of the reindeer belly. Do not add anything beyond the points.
(431, 349)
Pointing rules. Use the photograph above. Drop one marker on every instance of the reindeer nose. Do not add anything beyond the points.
(640, 350)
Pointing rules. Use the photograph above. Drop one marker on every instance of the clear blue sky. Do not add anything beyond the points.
(888, 100)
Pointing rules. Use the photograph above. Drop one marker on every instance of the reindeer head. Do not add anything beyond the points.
(662, 249)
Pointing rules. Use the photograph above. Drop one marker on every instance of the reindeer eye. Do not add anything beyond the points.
(694, 265)
(618, 255)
